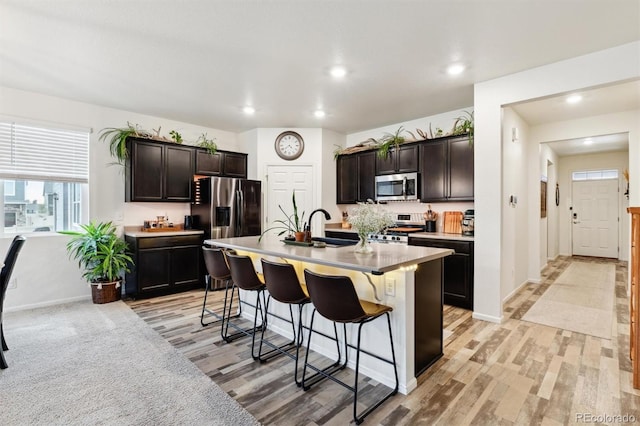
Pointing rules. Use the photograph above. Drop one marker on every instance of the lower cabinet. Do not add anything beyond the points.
(164, 265)
(458, 270)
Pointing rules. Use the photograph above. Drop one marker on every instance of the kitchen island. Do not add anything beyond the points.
(407, 278)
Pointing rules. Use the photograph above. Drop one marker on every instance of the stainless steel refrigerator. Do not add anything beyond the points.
(227, 207)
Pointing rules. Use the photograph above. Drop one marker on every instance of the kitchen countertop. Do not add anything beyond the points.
(134, 231)
(432, 235)
(385, 257)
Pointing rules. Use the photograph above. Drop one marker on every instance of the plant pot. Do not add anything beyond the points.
(106, 292)
(300, 236)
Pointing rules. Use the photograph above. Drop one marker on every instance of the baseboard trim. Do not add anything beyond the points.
(517, 289)
(489, 318)
(48, 303)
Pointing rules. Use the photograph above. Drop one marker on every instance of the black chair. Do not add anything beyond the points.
(244, 277)
(336, 299)
(283, 286)
(217, 270)
(5, 276)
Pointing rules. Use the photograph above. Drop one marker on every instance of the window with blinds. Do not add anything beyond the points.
(44, 171)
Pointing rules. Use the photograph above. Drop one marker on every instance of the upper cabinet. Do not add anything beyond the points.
(163, 171)
(404, 160)
(446, 170)
(356, 177)
(222, 163)
(157, 171)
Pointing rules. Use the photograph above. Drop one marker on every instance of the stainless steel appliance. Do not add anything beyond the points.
(398, 187)
(468, 222)
(227, 207)
(405, 224)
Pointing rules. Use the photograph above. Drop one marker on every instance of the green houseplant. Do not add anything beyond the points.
(293, 224)
(464, 125)
(103, 258)
(117, 138)
(390, 140)
(206, 143)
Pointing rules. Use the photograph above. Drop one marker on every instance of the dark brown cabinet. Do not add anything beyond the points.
(163, 265)
(403, 160)
(446, 170)
(158, 171)
(458, 270)
(222, 163)
(355, 177)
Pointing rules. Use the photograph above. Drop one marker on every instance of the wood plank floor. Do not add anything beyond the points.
(516, 372)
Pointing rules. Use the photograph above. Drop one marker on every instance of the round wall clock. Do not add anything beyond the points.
(289, 145)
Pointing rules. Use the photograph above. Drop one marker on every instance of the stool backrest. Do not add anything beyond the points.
(334, 297)
(243, 273)
(282, 282)
(215, 263)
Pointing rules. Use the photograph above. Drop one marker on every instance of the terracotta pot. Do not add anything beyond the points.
(300, 236)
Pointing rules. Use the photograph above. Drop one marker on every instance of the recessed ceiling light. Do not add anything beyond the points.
(319, 113)
(338, 72)
(249, 110)
(455, 69)
(588, 141)
(574, 99)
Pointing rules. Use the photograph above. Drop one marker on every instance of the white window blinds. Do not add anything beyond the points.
(39, 153)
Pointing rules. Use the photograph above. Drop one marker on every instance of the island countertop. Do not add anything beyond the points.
(385, 257)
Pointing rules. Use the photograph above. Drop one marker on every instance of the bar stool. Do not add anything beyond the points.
(283, 286)
(335, 298)
(244, 277)
(218, 270)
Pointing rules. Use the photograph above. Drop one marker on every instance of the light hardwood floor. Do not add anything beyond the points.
(516, 372)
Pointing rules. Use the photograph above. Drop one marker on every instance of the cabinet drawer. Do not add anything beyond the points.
(458, 246)
(178, 240)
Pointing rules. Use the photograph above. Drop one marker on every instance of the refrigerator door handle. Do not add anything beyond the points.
(240, 213)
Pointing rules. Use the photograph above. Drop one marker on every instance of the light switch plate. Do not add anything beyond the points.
(390, 286)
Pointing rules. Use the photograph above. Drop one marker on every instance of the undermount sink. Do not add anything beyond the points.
(335, 242)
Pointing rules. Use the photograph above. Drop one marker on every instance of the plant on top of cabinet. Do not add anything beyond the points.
(177, 137)
(464, 125)
(117, 138)
(389, 141)
(208, 144)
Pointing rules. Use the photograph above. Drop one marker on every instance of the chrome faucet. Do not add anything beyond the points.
(307, 228)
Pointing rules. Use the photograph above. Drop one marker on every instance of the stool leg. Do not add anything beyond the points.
(4, 343)
(299, 337)
(325, 373)
(263, 325)
(204, 303)
(3, 362)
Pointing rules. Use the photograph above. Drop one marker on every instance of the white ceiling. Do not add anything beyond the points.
(201, 61)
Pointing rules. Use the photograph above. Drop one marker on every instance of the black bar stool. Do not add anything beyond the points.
(283, 286)
(244, 277)
(217, 270)
(336, 299)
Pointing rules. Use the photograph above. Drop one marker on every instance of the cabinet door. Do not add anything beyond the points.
(184, 265)
(386, 165)
(207, 164)
(460, 169)
(407, 159)
(235, 165)
(433, 176)
(366, 176)
(178, 173)
(153, 269)
(146, 172)
(457, 291)
(347, 179)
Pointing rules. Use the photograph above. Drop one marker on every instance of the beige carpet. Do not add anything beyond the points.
(581, 299)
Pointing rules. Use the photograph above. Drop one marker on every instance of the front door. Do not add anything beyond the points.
(595, 218)
(281, 182)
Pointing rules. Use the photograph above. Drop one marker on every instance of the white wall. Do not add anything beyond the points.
(605, 67)
(45, 275)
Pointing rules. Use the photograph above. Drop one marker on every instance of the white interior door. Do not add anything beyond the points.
(281, 182)
(595, 218)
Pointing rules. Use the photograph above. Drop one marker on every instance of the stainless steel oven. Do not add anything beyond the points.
(398, 187)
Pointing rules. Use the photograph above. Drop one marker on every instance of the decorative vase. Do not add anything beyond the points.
(363, 246)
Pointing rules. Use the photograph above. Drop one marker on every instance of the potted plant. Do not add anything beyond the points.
(206, 143)
(293, 224)
(117, 138)
(102, 256)
(389, 141)
(464, 125)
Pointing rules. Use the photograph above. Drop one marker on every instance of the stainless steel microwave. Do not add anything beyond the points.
(402, 186)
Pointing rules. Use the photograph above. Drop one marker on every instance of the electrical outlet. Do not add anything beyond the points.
(390, 286)
(13, 284)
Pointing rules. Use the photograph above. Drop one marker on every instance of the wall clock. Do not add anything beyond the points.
(289, 145)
